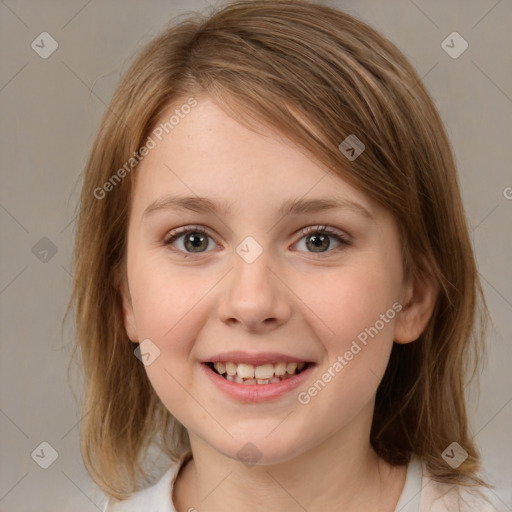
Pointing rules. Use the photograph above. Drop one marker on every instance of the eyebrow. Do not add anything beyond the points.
(291, 207)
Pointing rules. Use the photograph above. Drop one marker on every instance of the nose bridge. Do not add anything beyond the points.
(252, 283)
(249, 277)
(255, 296)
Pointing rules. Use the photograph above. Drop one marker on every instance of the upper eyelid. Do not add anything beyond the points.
(174, 234)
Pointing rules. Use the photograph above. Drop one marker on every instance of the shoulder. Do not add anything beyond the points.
(445, 497)
(421, 493)
(156, 498)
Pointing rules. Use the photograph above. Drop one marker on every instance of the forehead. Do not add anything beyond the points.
(208, 153)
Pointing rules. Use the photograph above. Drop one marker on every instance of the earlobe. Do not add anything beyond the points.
(128, 314)
(419, 301)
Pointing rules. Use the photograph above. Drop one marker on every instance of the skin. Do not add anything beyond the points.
(290, 300)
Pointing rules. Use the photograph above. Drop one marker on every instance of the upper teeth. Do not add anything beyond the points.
(265, 371)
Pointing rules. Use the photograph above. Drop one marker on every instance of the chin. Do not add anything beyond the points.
(259, 449)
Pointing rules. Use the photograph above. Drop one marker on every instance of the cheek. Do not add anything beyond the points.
(172, 382)
(166, 298)
(170, 309)
(356, 304)
(363, 320)
(351, 300)
(170, 312)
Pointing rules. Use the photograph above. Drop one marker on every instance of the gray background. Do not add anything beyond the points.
(50, 111)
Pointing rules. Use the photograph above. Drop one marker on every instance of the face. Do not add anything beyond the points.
(258, 288)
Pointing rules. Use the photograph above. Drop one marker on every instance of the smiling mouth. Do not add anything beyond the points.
(242, 373)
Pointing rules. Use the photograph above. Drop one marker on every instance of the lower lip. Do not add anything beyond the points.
(257, 392)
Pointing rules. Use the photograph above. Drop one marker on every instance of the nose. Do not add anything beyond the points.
(256, 298)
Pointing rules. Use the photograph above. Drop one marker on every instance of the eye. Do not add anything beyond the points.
(195, 239)
(192, 240)
(317, 239)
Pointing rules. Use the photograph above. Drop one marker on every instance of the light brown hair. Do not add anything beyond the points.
(317, 75)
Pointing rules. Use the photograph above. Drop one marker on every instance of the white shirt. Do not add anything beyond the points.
(420, 494)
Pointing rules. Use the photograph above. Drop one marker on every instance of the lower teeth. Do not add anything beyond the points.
(239, 380)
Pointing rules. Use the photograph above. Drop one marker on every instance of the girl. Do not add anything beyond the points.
(274, 280)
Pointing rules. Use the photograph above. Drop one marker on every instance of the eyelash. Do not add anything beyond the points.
(322, 230)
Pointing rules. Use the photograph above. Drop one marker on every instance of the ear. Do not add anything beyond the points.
(128, 314)
(419, 299)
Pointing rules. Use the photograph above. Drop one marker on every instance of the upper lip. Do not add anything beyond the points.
(254, 359)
